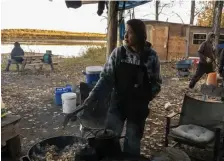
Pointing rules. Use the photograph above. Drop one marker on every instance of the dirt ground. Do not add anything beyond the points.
(32, 96)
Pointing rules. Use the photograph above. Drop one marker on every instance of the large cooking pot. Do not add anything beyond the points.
(61, 142)
(106, 143)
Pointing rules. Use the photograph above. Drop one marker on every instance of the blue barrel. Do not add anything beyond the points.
(59, 91)
(184, 64)
(92, 74)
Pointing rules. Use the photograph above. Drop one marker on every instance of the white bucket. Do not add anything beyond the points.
(94, 69)
(68, 102)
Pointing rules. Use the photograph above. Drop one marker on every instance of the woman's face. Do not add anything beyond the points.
(129, 37)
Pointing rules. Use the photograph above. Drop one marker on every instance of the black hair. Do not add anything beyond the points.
(16, 44)
(139, 30)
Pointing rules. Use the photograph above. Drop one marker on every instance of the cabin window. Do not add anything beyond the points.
(198, 38)
(221, 39)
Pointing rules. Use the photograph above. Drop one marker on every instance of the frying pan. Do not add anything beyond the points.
(60, 141)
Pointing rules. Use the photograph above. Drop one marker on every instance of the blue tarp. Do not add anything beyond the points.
(221, 46)
(122, 29)
(124, 5)
(131, 4)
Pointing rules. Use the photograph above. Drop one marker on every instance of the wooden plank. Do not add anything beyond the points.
(10, 131)
(9, 127)
(35, 64)
(14, 146)
(55, 63)
(9, 119)
(89, 2)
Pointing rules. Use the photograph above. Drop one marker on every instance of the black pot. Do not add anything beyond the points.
(86, 154)
(61, 142)
(106, 143)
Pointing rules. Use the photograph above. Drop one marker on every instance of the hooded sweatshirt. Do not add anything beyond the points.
(206, 49)
(17, 51)
(106, 82)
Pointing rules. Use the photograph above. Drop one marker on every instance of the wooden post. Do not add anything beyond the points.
(157, 10)
(187, 40)
(216, 23)
(192, 12)
(112, 27)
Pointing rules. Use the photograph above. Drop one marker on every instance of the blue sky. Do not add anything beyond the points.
(44, 14)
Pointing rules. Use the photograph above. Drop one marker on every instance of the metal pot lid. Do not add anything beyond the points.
(105, 134)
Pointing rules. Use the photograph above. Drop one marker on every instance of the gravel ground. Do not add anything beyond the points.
(31, 96)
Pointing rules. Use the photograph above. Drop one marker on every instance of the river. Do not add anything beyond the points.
(62, 50)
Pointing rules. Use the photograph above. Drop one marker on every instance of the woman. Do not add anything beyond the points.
(132, 74)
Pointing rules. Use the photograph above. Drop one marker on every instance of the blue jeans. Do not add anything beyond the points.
(134, 130)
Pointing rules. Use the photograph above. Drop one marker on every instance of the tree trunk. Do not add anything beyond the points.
(216, 23)
(192, 12)
(112, 26)
(157, 10)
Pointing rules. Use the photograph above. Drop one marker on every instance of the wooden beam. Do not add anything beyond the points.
(112, 22)
(216, 23)
(89, 2)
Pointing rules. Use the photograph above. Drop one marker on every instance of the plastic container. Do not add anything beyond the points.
(184, 64)
(212, 79)
(195, 60)
(59, 91)
(92, 74)
(68, 87)
(68, 102)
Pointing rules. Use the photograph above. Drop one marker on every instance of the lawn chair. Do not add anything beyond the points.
(201, 125)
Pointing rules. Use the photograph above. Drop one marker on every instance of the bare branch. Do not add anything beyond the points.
(164, 5)
(178, 16)
(165, 14)
(148, 14)
(198, 12)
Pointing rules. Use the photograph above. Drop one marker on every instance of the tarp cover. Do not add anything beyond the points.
(131, 4)
(122, 5)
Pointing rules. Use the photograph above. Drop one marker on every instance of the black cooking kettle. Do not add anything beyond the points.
(104, 141)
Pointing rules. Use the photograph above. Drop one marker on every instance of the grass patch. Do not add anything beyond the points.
(92, 56)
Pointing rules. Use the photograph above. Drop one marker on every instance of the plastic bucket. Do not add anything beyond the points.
(58, 92)
(212, 79)
(68, 102)
(92, 74)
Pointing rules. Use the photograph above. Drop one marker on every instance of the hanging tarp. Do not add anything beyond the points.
(122, 29)
(130, 4)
